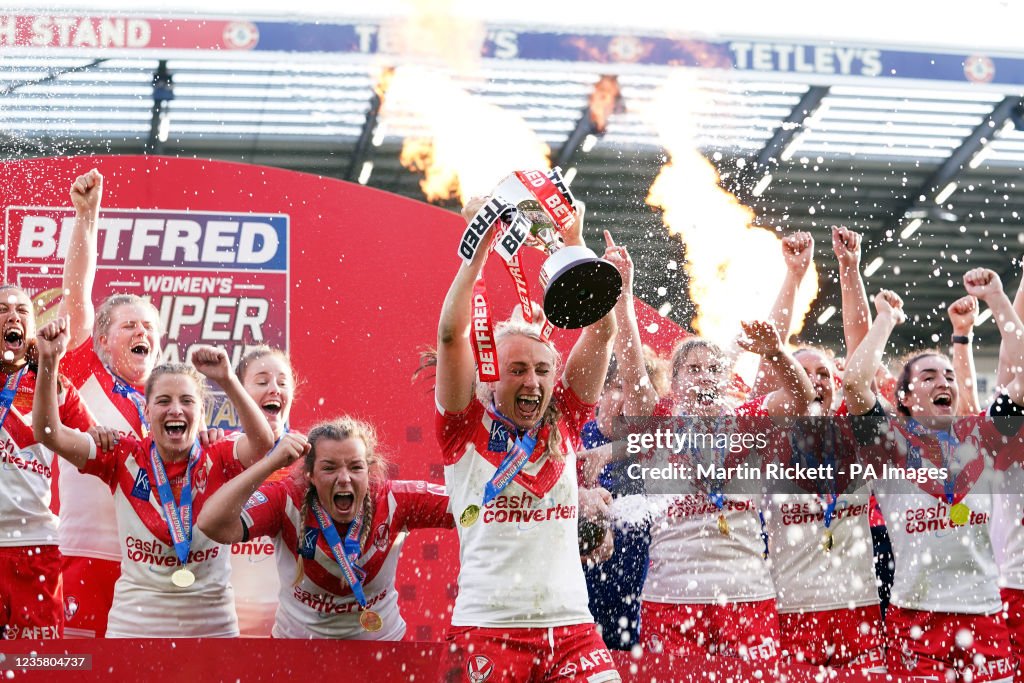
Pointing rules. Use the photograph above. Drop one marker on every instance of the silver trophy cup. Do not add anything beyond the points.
(579, 287)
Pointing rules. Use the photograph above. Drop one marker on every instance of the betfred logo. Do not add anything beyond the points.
(153, 238)
(215, 278)
(479, 668)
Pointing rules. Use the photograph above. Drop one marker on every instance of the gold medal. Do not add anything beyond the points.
(723, 525)
(959, 514)
(370, 621)
(829, 541)
(183, 578)
(469, 516)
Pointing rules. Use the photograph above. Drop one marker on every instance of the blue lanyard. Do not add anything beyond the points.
(123, 388)
(948, 443)
(515, 459)
(9, 391)
(345, 553)
(715, 495)
(178, 517)
(809, 458)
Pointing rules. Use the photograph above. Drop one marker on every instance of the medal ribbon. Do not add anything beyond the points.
(345, 552)
(10, 390)
(178, 517)
(516, 458)
(809, 458)
(123, 388)
(715, 495)
(948, 443)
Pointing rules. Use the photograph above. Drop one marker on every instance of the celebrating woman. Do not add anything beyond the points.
(112, 350)
(174, 580)
(945, 616)
(338, 530)
(31, 597)
(708, 590)
(509, 449)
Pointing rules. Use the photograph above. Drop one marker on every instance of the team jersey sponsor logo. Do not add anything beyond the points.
(327, 603)
(936, 519)
(257, 498)
(811, 513)
(14, 632)
(157, 554)
(141, 489)
(876, 656)
(498, 442)
(595, 659)
(479, 668)
(13, 459)
(253, 549)
(989, 668)
(690, 505)
(524, 509)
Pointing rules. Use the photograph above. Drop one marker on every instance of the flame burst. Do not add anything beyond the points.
(465, 145)
(605, 100)
(735, 268)
(462, 144)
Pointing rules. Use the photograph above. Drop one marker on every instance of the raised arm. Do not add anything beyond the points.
(257, 438)
(80, 263)
(861, 366)
(986, 286)
(795, 390)
(962, 314)
(637, 388)
(797, 252)
(856, 312)
(1004, 374)
(220, 518)
(456, 368)
(71, 444)
(588, 361)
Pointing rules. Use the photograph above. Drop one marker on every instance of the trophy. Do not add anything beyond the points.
(579, 287)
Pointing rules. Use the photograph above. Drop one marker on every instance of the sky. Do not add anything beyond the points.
(980, 25)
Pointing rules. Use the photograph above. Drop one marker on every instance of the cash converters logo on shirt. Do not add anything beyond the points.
(327, 603)
(27, 461)
(524, 509)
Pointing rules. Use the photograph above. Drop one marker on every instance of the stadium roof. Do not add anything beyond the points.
(920, 150)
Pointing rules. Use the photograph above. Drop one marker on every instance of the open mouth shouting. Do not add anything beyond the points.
(271, 408)
(14, 339)
(345, 504)
(943, 400)
(705, 395)
(175, 429)
(528, 407)
(140, 349)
